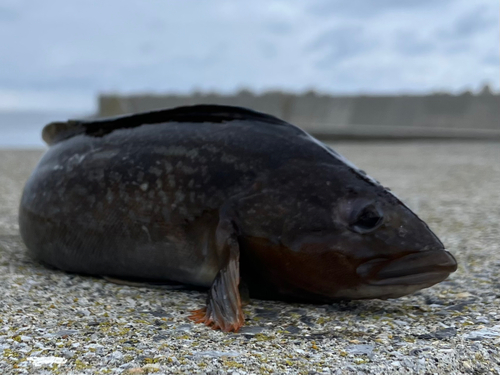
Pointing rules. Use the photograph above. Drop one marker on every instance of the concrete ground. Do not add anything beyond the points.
(56, 323)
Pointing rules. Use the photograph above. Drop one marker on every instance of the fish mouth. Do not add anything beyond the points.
(422, 268)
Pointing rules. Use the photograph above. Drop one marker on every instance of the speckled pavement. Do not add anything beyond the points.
(57, 323)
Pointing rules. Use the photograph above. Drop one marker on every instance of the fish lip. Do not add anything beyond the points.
(423, 278)
(419, 268)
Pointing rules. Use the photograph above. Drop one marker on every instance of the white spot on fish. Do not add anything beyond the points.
(109, 196)
(103, 154)
(171, 181)
(176, 151)
(225, 158)
(163, 196)
(74, 160)
(188, 170)
(160, 150)
(147, 232)
(155, 171)
(179, 196)
(144, 186)
(77, 159)
(168, 167)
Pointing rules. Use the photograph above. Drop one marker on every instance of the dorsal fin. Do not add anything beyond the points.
(58, 131)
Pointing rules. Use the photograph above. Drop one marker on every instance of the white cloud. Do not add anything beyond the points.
(58, 54)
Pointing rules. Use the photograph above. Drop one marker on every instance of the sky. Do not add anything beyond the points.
(59, 54)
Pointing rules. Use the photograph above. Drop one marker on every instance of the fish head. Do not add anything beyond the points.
(393, 251)
(348, 237)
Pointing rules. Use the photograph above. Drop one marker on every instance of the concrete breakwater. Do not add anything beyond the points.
(425, 116)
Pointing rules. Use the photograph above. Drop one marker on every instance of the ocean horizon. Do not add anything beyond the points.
(23, 129)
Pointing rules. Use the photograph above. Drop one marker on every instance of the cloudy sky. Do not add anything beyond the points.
(58, 54)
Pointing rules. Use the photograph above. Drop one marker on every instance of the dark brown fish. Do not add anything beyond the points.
(202, 194)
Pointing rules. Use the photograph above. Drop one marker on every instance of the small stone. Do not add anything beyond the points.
(431, 300)
(136, 370)
(160, 338)
(293, 329)
(458, 307)
(306, 320)
(67, 353)
(416, 351)
(216, 354)
(251, 330)
(184, 327)
(441, 334)
(46, 361)
(151, 367)
(117, 355)
(485, 333)
(96, 347)
(130, 365)
(445, 333)
(159, 313)
(366, 349)
(482, 320)
(267, 314)
(65, 332)
(83, 312)
(425, 336)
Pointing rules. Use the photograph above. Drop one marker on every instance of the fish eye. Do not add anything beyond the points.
(369, 219)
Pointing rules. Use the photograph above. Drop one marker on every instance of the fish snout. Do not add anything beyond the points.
(423, 268)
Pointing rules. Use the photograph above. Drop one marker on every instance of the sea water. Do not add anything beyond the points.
(22, 129)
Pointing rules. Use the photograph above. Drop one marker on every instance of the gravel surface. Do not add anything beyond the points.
(57, 323)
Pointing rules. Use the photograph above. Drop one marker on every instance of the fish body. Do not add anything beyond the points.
(208, 195)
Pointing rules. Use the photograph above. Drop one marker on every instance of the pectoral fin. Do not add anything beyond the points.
(223, 310)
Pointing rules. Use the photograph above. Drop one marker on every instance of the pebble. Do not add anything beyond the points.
(366, 349)
(252, 330)
(44, 361)
(485, 333)
(215, 354)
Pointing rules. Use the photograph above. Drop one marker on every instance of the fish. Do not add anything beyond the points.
(223, 198)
